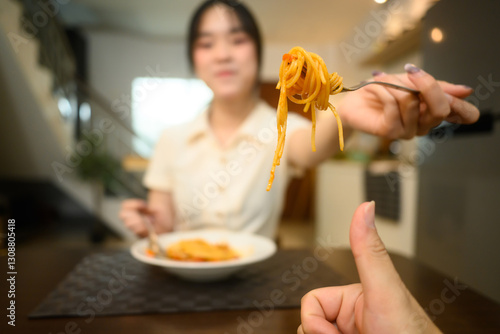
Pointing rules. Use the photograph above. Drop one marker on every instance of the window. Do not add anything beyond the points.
(158, 103)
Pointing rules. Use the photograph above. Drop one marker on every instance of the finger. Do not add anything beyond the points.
(391, 115)
(134, 204)
(138, 229)
(462, 112)
(438, 107)
(407, 108)
(352, 305)
(460, 91)
(134, 223)
(388, 123)
(319, 310)
(322, 308)
(375, 268)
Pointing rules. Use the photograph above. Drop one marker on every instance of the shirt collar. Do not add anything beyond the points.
(199, 127)
(259, 120)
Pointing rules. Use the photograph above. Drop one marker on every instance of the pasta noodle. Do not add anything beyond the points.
(198, 250)
(304, 79)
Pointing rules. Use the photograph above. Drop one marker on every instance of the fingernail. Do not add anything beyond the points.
(376, 73)
(412, 69)
(467, 87)
(370, 215)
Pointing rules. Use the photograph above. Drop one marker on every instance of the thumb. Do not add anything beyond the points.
(375, 267)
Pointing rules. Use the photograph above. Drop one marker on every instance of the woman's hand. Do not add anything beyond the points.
(396, 114)
(159, 209)
(380, 304)
(131, 215)
(388, 113)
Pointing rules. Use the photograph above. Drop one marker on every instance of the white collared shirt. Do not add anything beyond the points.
(224, 186)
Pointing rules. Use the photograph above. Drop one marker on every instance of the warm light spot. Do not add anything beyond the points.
(380, 1)
(437, 35)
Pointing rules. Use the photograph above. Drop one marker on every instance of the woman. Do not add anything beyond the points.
(214, 170)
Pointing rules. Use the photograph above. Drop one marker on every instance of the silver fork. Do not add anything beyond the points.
(391, 85)
(154, 245)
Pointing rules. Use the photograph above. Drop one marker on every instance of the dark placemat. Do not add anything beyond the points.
(117, 284)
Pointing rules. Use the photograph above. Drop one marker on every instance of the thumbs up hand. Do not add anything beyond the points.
(381, 303)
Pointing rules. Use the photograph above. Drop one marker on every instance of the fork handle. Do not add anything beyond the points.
(388, 84)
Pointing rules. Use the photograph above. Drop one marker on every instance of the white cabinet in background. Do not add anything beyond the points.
(340, 189)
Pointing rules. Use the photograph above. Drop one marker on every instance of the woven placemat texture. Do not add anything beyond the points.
(115, 283)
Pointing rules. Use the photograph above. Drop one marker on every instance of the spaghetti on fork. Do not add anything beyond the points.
(304, 79)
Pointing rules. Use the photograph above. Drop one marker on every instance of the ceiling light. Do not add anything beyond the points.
(437, 35)
(380, 1)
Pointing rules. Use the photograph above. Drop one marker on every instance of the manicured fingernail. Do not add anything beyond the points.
(412, 69)
(370, 214)
(376, 73)
(467, 87)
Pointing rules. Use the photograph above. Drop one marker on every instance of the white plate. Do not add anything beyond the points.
(251, 248)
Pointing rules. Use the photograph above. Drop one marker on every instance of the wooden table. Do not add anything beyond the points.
(39, 272)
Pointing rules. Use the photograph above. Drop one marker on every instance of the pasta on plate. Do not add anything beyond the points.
(199, 250)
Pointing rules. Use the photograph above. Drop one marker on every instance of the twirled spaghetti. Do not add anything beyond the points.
(304, 79)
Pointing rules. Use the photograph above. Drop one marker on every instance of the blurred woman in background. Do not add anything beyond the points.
(214, 170)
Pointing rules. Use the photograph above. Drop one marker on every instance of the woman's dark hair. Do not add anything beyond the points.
(248, 23)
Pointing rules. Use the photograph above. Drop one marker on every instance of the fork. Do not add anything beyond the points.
(154, 245)
(391, 85)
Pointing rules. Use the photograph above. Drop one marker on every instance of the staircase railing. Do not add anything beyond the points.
(56, 55)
